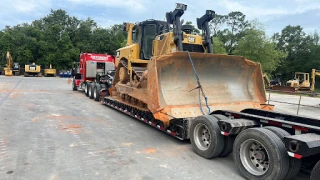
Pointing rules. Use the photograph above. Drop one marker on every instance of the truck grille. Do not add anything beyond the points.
(193, 48)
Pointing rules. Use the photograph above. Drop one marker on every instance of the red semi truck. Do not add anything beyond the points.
(93, 73)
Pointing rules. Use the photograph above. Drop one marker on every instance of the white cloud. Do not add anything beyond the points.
(134, 5)
(22, 6)
(25, 6)
(274, 8)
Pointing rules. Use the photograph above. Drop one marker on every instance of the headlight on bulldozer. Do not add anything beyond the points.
(181, 6)
(210, 12)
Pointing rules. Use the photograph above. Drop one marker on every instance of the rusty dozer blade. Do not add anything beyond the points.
(228, 82)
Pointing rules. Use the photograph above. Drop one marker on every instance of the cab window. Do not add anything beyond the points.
(136, 34)
(149, 35)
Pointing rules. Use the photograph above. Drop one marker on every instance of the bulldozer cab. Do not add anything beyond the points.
(144, 33)
(15, 66)
(302, 77)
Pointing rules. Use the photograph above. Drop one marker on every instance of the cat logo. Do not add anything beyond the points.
(191, 39)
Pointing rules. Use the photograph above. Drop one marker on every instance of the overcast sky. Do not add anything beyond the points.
(274, 14)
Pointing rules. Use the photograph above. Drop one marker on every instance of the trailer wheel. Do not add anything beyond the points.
(96, 92)
(74, 86)
(294, 164)
(315, 173)
(228, 146)
(86, 89)
(205, 137)
(228, 140)
(90, 90)
(260, 154)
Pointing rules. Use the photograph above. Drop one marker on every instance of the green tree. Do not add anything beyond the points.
(302, 50)
(218, 46)
(236, 27)
(217, 23)
(257, 47)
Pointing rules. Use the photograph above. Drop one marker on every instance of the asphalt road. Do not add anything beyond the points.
(48, 131)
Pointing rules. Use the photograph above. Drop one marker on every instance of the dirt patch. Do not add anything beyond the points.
(60, 117)
(69, 81)
(13, 95)
(35, 120)
(150, 150)
(71, 128)
(127, 144)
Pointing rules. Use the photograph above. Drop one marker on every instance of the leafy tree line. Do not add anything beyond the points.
(285, 52)
(58, 39)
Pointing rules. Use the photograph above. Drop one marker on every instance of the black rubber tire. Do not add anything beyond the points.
(74, 86)
(87, 86)
(315, 173)
(92, 85)
(279, 160)
(228, 140)
(294, 164)
(217, 141)
(228, 146)
(96, 90)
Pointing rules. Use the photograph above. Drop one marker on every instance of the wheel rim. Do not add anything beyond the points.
(89, 91)
(85, 89)
(254, 157)
(202, 136)
(95, 94)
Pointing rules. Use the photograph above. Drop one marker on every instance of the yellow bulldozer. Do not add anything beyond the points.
(301, 82)
(32, 69)
(49, 71)
(167, 73)
(12, 68)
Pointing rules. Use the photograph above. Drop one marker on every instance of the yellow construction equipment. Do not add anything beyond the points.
(12, 68)
(300, 82)
(314, 73)
(32, 69)
(50, 72)
(267, 81)
(173, 74)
